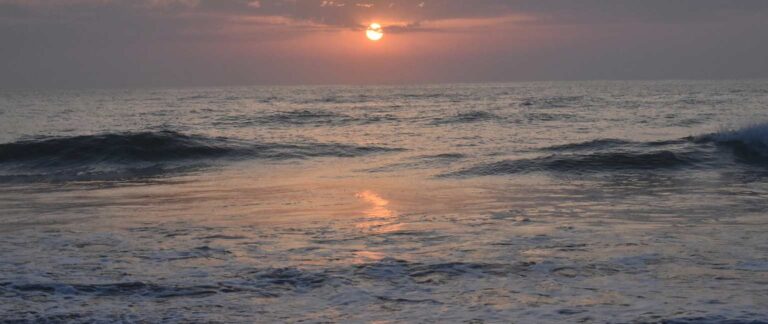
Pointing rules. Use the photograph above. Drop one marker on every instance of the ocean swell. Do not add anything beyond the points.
(744, 147)
(466, 117)
(594, 162)
(139, 154)
(306, 118)
(115, 148)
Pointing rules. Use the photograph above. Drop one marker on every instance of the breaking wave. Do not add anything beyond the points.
(748, 144)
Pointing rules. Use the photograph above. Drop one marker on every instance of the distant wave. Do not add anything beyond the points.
(557, 101)
(747, 146)
(150, 152)
(466, 117)
(477, 116)
(302, 118)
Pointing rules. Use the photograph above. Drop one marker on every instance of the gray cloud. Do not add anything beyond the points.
(350, 13)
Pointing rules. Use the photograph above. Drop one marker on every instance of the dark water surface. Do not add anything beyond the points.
(588, 202)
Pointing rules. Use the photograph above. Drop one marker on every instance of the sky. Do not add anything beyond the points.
(117, 43)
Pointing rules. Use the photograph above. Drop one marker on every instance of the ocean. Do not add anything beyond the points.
(595, 202)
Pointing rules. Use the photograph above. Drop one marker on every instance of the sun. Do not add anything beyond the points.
(374, 32)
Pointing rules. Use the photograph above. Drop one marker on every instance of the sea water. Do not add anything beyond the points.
(522, 202)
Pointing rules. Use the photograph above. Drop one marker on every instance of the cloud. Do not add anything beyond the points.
(356, 13)
(181, 40)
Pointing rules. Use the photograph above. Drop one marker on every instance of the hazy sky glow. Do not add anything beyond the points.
(218, 42)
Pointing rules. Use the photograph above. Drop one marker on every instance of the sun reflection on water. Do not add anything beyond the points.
(379, 205)
(380, 218)
(361, 257)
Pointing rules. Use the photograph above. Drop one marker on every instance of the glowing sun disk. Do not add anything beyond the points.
(374, 32)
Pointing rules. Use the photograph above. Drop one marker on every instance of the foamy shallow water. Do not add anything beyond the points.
(542, 202)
